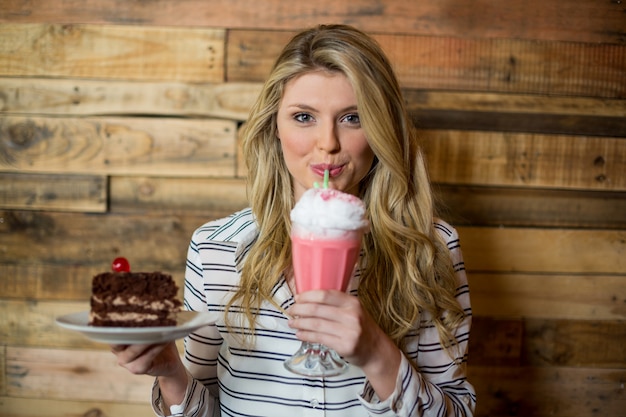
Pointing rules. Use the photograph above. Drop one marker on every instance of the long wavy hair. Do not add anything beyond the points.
(407, 268)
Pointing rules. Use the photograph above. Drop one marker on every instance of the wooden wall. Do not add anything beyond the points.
(118, 136)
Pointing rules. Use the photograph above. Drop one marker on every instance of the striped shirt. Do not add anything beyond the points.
(228, 379)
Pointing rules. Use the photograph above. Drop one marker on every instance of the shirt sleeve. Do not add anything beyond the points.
(437, 385)
(201, 351)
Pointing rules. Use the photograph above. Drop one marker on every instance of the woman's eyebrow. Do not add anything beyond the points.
(301, 106)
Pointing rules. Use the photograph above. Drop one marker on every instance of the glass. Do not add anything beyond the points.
(322, 260)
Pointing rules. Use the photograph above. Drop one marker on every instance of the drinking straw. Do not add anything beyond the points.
(326, 175)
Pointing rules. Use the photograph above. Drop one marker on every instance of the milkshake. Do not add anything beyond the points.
(326, 232)
(327, 226)
(322, 263)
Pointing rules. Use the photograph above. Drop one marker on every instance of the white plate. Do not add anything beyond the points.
(187, 322)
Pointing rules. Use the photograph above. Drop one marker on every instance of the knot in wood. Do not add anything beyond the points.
(599, 161)
(23, 134)
(94, 412)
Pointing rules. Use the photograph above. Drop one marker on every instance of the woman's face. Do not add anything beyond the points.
(319, 128)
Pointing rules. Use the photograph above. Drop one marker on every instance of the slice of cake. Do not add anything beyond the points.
(133, 299)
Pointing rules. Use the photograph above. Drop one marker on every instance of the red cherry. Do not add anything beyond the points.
(120, 265)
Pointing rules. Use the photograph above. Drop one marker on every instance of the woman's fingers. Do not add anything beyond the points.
(139, 359)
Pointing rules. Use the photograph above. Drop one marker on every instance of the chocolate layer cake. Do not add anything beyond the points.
(133, 299)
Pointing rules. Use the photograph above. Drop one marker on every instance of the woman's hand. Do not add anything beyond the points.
(162, 361)
(337, 320)
(155, 360)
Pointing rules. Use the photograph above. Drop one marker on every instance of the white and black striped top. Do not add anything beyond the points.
(226, 379)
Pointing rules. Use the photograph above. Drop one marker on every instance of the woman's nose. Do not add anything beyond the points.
(328, 140)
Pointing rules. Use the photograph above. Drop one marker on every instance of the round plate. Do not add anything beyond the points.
(187, 322)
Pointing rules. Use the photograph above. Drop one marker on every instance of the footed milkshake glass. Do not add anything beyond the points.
(322, 260)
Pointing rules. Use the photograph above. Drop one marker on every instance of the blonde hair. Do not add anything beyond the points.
(407, 268)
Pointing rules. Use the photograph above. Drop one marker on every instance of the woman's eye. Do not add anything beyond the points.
(303, 117)
(352, 118)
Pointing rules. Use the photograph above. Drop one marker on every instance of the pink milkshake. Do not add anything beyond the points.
(326, 232)
(324, 263)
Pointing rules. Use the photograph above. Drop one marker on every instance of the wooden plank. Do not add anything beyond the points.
(83, 193)
(150, 242)
(497, 206)
(536, 160)
(143, 146)
(518, 122)
(115, 52)
(3, 373)
(583, 20)
(525, 250)
(111, 97)
(496, 342)
(36, 407)
(451, 63)
(213, 198)
(575, 343)
(21, 318)
(512, 103)
(540, 296)
(548, 391)
(67, 239)
(547, 342)
(73, 375)
(516, 113)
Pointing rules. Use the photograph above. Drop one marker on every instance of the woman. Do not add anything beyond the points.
(331, 102)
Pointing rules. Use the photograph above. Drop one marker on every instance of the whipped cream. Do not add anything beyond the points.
(320, 208)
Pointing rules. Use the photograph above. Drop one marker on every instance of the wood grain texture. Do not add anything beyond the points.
(3, 372)
(547, 342)
(174, 147)
(520, 122)
(73, 375)
(450, 63)
(73, 97)
(534, 250)
(586, 343)
(498, 206)
(583, 20)
(81, 193)
(209, 197)
(149, 242)
(36, 407)
(548, 391)
(537, 160)
(560, 296)
(117, 52)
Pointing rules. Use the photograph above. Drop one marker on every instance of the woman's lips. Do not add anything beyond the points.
(333, 170)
